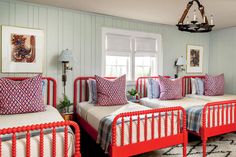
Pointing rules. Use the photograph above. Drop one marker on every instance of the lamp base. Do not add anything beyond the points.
(176, 76)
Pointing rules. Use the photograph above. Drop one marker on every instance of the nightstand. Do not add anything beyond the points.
(67, 116)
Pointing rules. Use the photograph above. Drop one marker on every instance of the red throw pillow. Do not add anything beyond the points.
(111, 92)
(21, 97)
(214, 85)
(170, 89)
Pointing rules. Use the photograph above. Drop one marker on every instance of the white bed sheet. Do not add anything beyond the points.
(93, 114)
(50, 115)
(212, 98)
(185, 102)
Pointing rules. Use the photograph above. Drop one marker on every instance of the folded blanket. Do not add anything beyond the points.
(194, 118)
(105, 128)
(34, 133)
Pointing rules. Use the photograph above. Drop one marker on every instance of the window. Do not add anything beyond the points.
(132, 53)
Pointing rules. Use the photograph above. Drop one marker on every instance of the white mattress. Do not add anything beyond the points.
(50, 115)
(93, 114)
(184, 102)
(212, 98)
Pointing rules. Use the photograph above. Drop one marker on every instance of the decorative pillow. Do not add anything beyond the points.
(111, 92)
(21, 97)
(170, 89)
(199, 86)
(92, 91)
(193, 85)
(214, 85)
(44, 88)
(153, 89)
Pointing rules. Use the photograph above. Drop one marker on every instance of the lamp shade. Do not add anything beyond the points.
(66, 56)
(181, 61)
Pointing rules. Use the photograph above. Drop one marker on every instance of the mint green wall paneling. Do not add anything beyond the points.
(82, 44)
(81, 32)
(21, 15)
(76, 50)
(36, 17)
(88, 47)
(30, 16)
(4, 13)
(108, 22)
(93, 42)
(52, 44)
(67, 42)
(99, 25)
(12, 12)
(222, 56)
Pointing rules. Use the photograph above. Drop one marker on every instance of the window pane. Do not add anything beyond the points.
(117, 66)
(145, 66)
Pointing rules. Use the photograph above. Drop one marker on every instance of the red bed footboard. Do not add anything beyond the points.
(217, 118)
(159, 137)
(51, 83)
(141, 84)
(27, 130)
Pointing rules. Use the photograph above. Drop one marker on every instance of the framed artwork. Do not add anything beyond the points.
(22, 50)
(194, 59)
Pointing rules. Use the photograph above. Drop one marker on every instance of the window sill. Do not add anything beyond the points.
(130, 83)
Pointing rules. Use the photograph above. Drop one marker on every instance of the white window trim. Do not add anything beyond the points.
(159, 54)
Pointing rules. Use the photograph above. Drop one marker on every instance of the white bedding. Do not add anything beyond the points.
(93, 114)
(212, 98)
(185, 102)
(50, 115)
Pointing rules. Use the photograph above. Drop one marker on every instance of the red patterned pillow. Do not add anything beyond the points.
(21, 97)
(170, 89)
(111, 92)
(214, 85)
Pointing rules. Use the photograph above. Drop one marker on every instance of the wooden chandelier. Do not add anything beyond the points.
(195, 26)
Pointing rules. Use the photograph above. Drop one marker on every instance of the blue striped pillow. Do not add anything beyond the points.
(92, 91)
(153, 89)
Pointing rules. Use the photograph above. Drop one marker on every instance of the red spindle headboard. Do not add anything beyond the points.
(186, 84)
(49, 86)
(81, 87)
(141, 84)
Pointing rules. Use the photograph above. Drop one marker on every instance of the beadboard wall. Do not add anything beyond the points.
(223, 54)
(81, 33)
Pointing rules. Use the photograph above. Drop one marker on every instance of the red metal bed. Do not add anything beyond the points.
(212, 123)
(51, 83)
(133, 148)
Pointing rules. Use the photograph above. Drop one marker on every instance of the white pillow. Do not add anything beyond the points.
(193, 84)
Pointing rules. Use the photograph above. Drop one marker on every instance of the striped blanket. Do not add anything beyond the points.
(34, 133)
(105, 128)
(194, 118)
(105, 132)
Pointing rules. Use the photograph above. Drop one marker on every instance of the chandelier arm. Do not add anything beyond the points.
(194, 26)
(189, 5)
(202, 11)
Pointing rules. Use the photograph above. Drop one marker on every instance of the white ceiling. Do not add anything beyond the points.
(158, 11)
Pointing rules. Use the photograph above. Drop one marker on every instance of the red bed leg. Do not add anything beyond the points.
(204, 147)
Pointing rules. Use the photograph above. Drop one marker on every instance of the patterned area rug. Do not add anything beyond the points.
(220, 146)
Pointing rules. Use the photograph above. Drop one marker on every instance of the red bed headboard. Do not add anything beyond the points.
(81, 88)
(49, 86)
(141, 84)
(187, 86)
